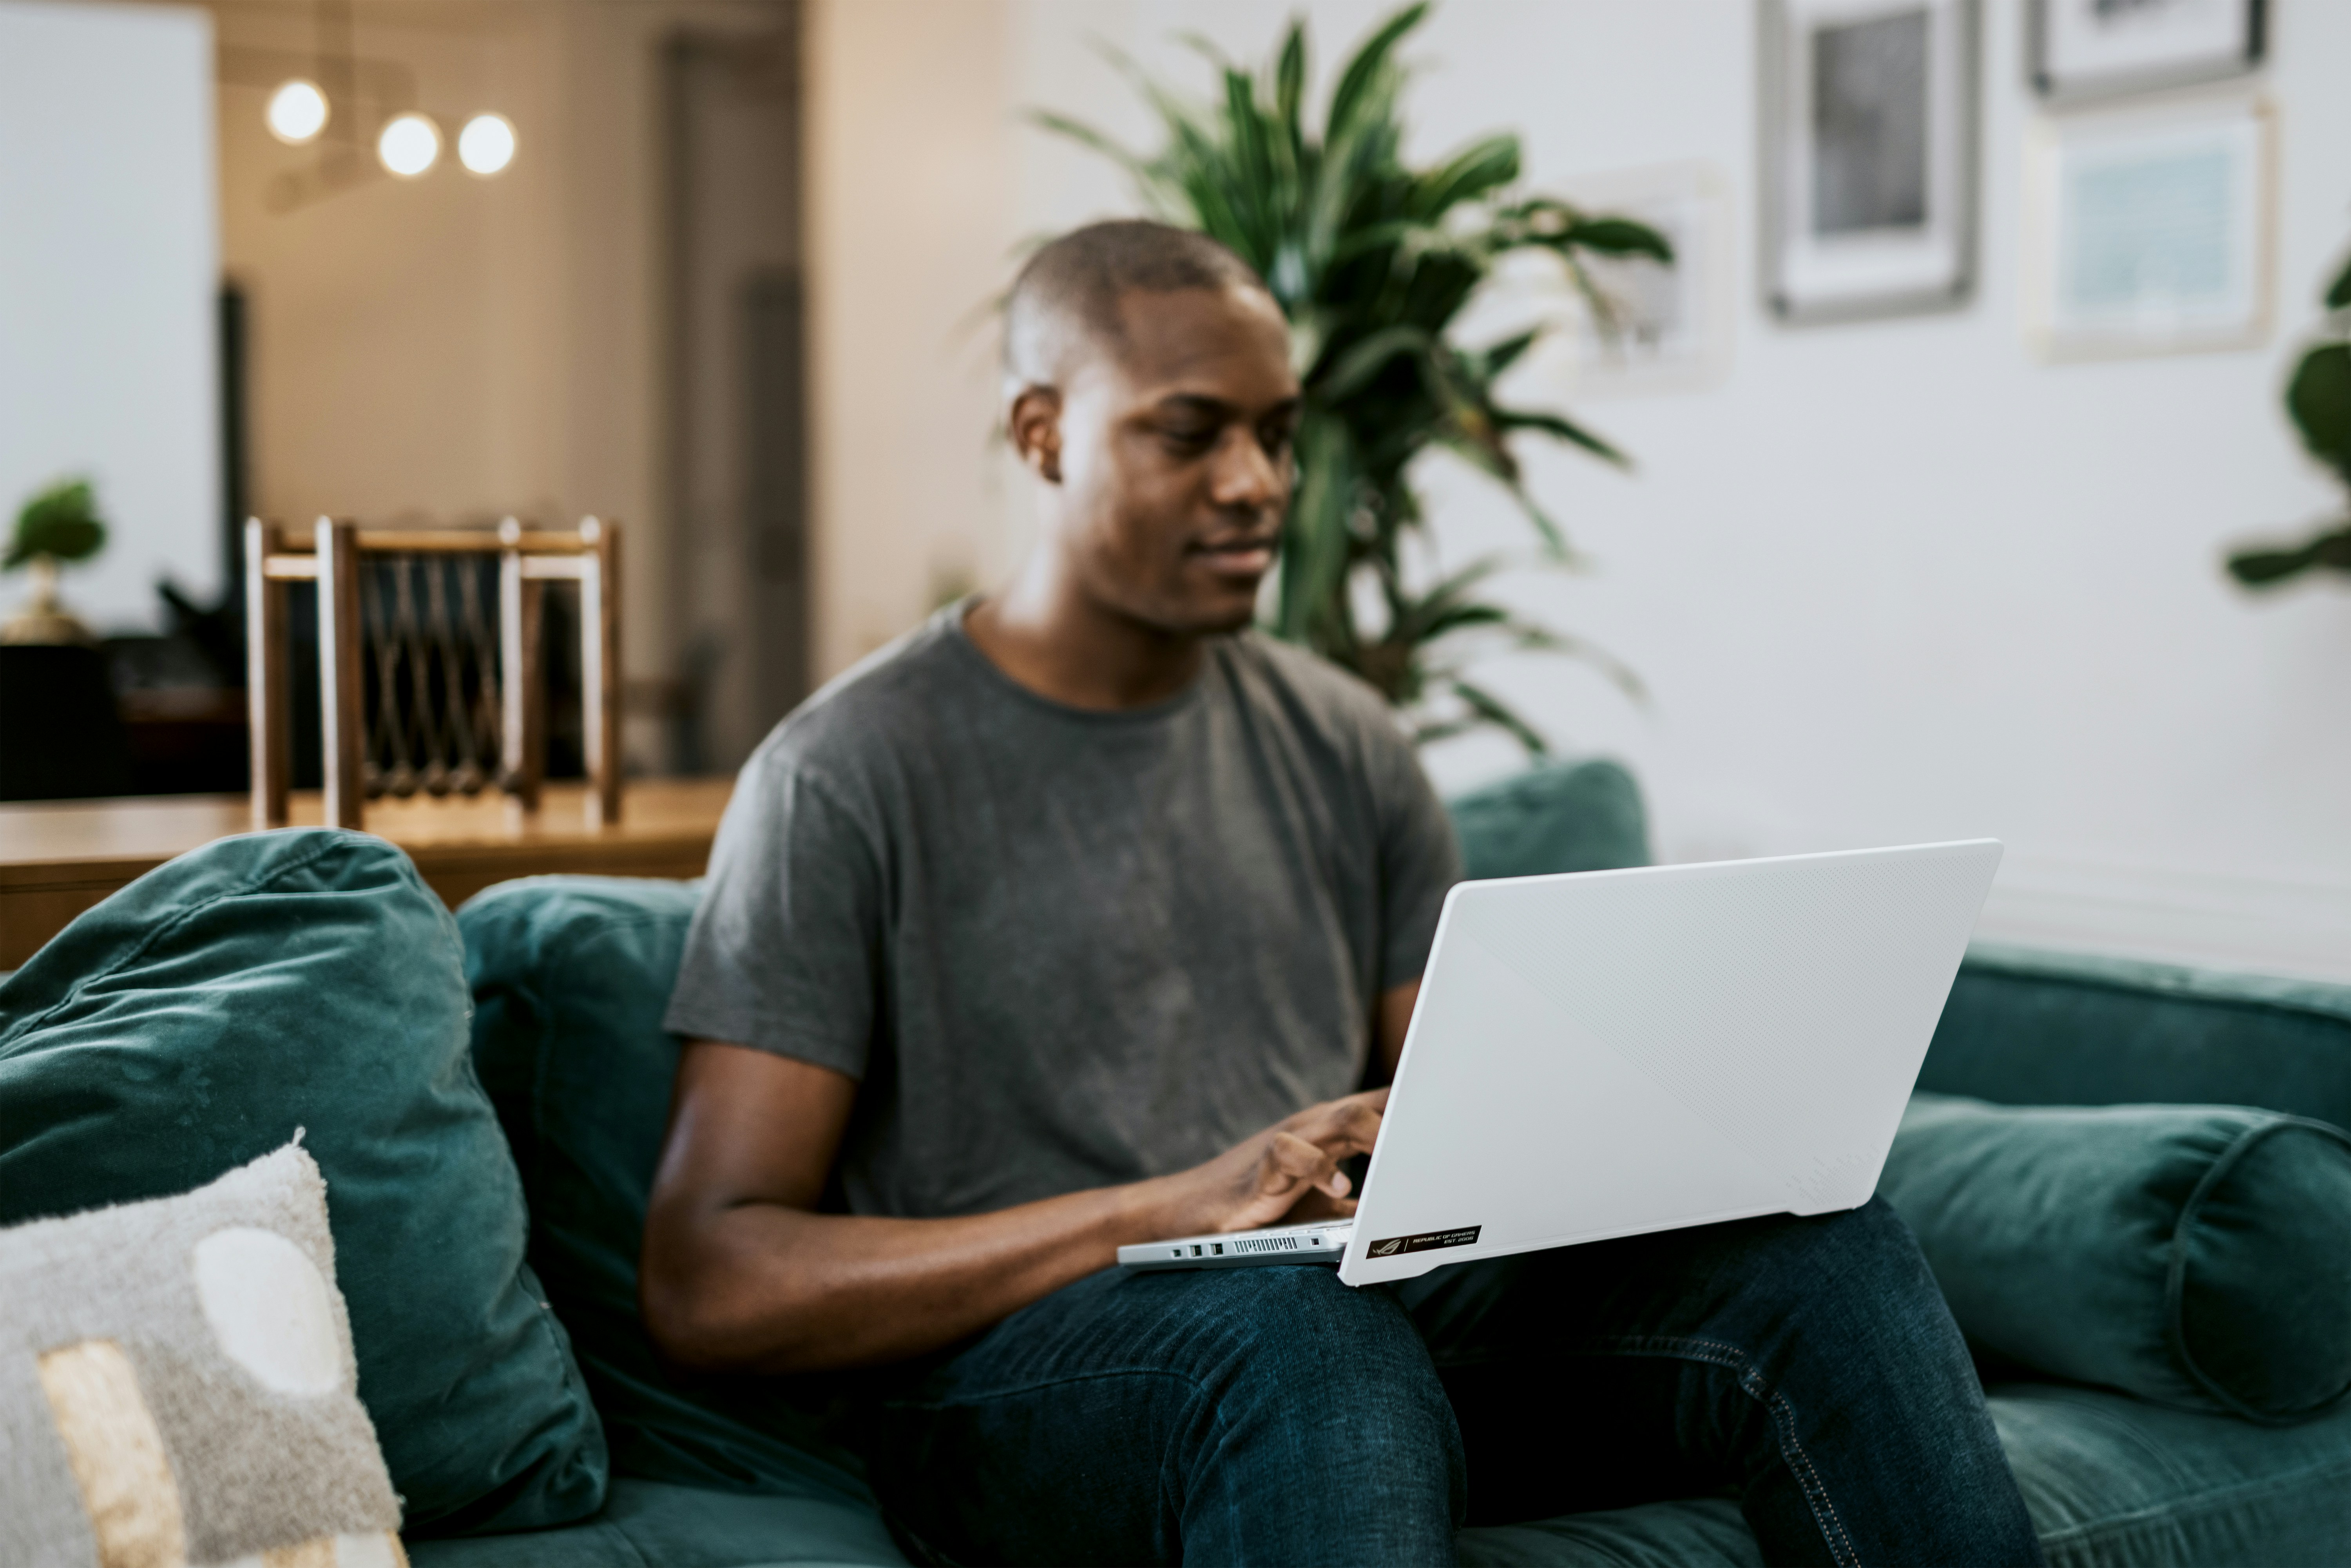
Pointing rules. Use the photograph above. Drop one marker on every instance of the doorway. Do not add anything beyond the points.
(738, 435)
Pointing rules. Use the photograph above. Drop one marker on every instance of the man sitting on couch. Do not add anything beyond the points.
(1072, 920)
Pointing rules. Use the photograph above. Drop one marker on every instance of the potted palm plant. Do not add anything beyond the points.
(1374, 261)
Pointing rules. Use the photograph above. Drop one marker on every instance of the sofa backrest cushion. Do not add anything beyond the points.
(1578, 816)
(570, 975)
(308, 979)
(2196, 1256)
(2030, 1028)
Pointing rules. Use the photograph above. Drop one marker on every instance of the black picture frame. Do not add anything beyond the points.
(1804, 280)
(2245, 54)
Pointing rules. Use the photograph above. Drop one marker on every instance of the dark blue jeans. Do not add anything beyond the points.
(1275, 1415)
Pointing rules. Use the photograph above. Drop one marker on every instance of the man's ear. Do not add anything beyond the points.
(1035, 428)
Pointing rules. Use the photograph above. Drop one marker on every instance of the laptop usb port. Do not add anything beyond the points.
(1217, 1248)
(1196, 1250)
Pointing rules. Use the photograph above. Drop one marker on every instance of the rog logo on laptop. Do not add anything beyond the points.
(1465, 1237)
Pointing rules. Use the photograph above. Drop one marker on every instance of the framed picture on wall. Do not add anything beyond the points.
(1868, 146)
(1667, 328)
(2096, 48)
(2148, 231)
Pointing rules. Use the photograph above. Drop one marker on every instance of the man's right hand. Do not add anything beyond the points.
(1289, 1172)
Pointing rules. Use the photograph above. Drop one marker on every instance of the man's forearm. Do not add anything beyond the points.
(739, 1271)
(763, 1288)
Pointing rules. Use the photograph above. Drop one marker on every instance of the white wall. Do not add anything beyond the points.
(1888, 581)
(911, 223)
(108, 265)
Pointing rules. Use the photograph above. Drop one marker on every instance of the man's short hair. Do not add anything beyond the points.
(1068, 294)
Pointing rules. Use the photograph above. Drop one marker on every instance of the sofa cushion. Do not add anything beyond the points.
(2196, 1256)
(657, 1525)
(2115, 1482)
(2110, 1481)
(570, 975)
(308, 980)
(1581, 816)
(2025, 1027)
(177, 1383)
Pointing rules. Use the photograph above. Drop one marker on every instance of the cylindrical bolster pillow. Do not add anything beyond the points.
(2196, 1256)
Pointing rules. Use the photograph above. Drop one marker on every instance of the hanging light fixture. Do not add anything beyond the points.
(298, 112)
(408, 145)
(486, 145)
(338, 100)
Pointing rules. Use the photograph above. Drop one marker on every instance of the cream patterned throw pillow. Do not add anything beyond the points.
(177, 1388)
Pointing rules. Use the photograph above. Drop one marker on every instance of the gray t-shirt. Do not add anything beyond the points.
(1059, 948)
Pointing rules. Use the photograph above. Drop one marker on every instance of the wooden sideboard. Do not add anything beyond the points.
(58, 858)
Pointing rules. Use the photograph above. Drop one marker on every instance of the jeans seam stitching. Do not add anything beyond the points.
(1038, 1385)
(1784, 1421)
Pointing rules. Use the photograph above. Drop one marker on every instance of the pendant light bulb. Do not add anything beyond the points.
(408, 145)
(298, 112)
(486, 145)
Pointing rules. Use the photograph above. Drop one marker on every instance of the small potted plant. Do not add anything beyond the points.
(58, 527)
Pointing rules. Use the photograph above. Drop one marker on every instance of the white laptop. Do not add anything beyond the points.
(1610, 1053)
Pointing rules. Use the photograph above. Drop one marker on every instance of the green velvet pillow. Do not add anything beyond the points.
(570, 977)
(1577, 815)
(308, 979)
(2198, 1256)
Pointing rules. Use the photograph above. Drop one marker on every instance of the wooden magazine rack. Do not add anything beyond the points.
(527, 560)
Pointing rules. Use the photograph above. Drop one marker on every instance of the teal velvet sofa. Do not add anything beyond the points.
(569, 977)
(2105, 1260)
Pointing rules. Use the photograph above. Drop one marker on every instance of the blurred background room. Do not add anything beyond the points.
(1977, 464)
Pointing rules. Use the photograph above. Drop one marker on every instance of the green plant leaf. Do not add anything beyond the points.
(1618, 236)
(1358, 80)
(1205, 48)
(1543, 640)
(2262, 568)
(1086, 136)
(1495, 711)
(1369, 356)
(1515, 419)
(1492, 362)
(2319, 400)
(1447, 606)
(61, 522)
(1373, 236)
(1290, 83)
(1473, 172)
(1312, 604)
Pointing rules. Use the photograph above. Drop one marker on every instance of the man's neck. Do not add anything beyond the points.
(1046, 635)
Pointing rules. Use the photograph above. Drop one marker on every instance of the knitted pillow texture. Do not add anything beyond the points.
(177, 1385)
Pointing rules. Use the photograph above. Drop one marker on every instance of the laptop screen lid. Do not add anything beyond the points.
(1605, 1053)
